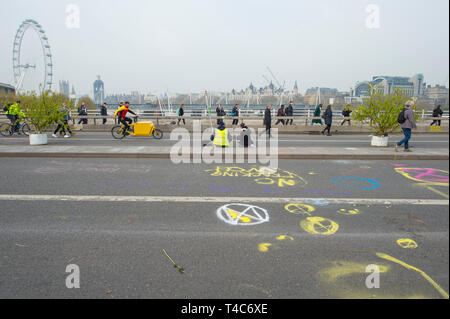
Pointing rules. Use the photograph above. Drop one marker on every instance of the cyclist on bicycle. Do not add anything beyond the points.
(14, 113)
(121, 113)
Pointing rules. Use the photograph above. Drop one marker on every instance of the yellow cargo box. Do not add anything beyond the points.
(143, 128)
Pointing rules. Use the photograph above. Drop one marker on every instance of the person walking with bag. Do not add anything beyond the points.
(437, 112)
(407, 123)
(328, 117)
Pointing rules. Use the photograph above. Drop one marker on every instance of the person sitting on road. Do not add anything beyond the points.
(245, 138)
(121, 113)
(221, 136)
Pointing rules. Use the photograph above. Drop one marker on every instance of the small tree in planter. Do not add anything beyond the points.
(381, 112)
(42, 112)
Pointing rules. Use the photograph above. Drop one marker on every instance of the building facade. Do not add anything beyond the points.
(7, 89)
(99, 91)
(413, 86)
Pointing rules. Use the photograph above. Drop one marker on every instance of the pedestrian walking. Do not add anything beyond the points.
(220, 112)
(437, 112)
(235, 113)
(104, 112)
(180, 113)
(280, 113)
(289, 112)
(268, 119)
(407, 123)
(82, 112)
(328, 117)
(64, 124)
(317, 113)
(346, 113)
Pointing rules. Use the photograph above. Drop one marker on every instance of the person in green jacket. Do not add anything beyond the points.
(317, 113)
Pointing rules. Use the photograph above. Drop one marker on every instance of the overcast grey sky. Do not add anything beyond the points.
(192, 45)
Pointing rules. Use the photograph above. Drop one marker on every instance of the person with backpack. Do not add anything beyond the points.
(437, 112)
(280, 113)
(346, 113)
(14, 113)
(180, 113)
(407, 123)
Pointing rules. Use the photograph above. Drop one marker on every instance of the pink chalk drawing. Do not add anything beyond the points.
(425, 175)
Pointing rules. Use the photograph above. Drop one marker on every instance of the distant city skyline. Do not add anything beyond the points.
(192, 46)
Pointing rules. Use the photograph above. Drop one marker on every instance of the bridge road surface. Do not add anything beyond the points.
(114, 217)
(284, 140)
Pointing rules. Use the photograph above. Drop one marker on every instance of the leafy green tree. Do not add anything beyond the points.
(42, 111)
(381, 111)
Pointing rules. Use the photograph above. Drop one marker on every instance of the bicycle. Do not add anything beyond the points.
(137, 129)
(7, 129)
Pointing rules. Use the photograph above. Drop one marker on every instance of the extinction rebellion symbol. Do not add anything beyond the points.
(242, 214)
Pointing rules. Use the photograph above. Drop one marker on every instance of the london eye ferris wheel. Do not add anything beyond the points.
(21, 67)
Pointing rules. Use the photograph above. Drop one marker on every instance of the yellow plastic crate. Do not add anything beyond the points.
(143, 128)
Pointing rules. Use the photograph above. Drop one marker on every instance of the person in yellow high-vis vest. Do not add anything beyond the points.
(221, 136)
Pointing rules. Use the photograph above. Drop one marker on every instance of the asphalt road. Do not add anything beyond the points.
(317, 247)
(105, 139)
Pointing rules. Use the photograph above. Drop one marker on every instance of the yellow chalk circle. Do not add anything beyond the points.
(264, 247)
(298, 208)
(407, 243)
(319, 226)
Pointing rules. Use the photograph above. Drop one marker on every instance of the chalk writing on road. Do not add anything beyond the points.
(263, 176)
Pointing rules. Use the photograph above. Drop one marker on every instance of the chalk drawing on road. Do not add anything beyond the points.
(242, 214)
(427, 177)
(356, 182)
(299, 208)
(264, 247)
(407, 243)
(283, 237)
(316, 201)
(319, 226)
(344, 211)
(262, 175)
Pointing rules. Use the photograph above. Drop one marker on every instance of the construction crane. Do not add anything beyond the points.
(280, 87)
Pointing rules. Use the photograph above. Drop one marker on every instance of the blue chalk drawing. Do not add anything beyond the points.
(356, 182)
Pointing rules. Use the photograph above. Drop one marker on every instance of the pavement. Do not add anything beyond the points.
(91, 145)
(310, 231)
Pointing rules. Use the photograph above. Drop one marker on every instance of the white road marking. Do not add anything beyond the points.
(172, 199)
